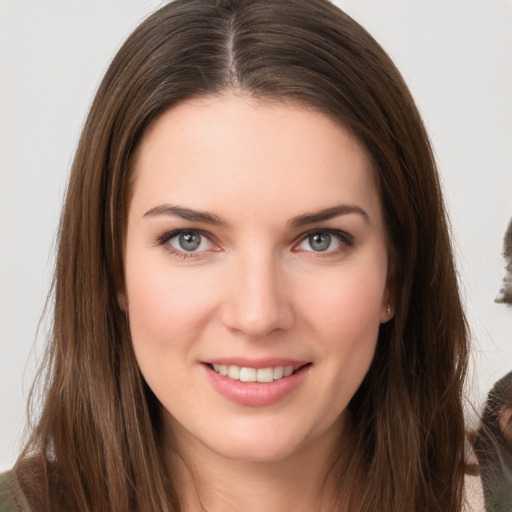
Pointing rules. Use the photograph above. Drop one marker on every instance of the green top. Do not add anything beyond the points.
(12, 498)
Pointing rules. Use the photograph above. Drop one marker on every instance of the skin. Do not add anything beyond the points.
(255, 288)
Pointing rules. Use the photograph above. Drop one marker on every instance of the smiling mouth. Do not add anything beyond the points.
(248, 374)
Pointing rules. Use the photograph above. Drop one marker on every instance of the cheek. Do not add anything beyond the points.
(345, 314)
(165, 307)
(167, 312)
(349, 302)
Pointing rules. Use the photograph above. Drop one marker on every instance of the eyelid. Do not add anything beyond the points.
(347, 240)
(164, 239)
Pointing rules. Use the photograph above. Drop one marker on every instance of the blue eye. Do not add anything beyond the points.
(320, 242)
(323, 241)
(188, 241)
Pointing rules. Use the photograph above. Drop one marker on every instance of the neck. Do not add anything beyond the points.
(301, 482)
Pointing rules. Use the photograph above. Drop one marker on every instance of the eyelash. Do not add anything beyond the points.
(346, 240)
(166, 237)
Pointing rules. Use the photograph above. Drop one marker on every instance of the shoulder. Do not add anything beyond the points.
(26, 487)
(12, 498)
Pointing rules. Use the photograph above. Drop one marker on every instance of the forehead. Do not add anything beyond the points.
(241, 150)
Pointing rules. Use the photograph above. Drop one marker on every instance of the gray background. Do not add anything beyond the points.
(455, 55)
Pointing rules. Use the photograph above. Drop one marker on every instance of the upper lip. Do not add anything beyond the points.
(267, 362)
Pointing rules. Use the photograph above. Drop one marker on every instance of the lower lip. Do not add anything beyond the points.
(256, 394)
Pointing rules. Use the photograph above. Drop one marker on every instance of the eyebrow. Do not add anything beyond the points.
(328, 213)
(299, 221)
(185, 213)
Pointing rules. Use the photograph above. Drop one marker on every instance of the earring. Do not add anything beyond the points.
(388, 309)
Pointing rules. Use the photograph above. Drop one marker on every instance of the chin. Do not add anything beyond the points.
(257, 451)
(263, 441)
(243, 440)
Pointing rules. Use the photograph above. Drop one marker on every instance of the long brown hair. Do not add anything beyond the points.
(96, 443)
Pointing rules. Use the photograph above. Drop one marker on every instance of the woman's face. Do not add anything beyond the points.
(255, 248)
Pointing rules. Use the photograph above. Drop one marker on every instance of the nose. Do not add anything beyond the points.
(256, 304)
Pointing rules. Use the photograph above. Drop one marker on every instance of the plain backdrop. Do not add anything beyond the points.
(456, 56)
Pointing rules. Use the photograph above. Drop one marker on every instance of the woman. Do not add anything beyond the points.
(255, 299)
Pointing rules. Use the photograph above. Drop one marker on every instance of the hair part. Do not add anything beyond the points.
(99, 433)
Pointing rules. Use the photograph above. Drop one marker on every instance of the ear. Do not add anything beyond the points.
(388, 312)
(388, 299)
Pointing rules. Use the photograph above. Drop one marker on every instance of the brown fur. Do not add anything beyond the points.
(506, 291)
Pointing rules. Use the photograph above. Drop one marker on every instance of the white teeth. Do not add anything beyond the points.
(278, 372)
(234, 372)
(288, 370)
(265, 375)
(247, 374)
